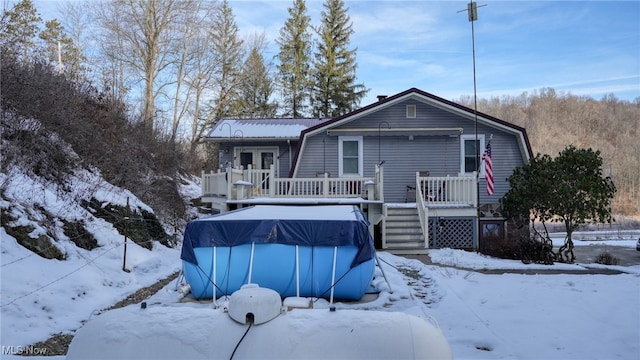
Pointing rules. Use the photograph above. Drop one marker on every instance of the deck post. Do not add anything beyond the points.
(248, 174)
(272, 180)
(229, 182)
(379, 182)
(325, 185)
(203, 184)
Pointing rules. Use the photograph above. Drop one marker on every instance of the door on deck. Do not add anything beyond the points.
(258, 159)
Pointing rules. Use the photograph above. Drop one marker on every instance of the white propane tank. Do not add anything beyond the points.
(253, 304)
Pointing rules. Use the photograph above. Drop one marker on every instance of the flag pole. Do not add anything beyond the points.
(472, 12)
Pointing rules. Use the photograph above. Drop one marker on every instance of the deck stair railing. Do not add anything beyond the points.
(448, 191)
(423, 214)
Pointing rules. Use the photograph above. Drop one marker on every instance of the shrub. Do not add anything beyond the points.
(536, 250)
(77, 233)
(606, 258)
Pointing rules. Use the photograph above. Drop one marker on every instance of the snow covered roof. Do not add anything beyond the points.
(261, 128)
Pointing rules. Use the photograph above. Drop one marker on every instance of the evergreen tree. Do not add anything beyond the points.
(569, 189)
(295, 56)
(256, 88)
(228, 50)
(335, 91)
(18, 29)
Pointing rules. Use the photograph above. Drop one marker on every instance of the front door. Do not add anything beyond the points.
(258, 158)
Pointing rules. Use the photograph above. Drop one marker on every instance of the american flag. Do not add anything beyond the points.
(488, 168)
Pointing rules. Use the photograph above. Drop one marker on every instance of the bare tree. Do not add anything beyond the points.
(141, 34)
(76, 22)
(193, 53)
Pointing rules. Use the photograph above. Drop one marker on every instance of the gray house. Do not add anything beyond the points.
(412, 161)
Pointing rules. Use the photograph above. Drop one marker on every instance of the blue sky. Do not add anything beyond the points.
(583, 47)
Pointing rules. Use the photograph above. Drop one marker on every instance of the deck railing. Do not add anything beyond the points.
(423, 214)
(447, 190)
(214, 183)
(246, 183)
(237, 184)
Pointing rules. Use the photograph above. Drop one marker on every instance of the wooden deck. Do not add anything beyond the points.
(403, 232)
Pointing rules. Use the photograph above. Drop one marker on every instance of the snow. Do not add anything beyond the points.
(483, 316)
(258, 128)
(262, 212)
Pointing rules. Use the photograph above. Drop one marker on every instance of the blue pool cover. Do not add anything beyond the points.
(330, 225)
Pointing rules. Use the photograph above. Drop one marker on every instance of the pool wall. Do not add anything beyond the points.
(274, 266)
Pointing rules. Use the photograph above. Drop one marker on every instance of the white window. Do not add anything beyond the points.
(350, 155)
(411, 111)
(471, 154)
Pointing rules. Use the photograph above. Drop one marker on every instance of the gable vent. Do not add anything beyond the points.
(411, 111)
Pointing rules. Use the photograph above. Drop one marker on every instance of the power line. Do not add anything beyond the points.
(60, 278)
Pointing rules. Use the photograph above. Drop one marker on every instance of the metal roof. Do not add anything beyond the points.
(261, 128)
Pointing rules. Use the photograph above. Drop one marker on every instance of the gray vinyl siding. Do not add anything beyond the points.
(438, 154)
(505, 158)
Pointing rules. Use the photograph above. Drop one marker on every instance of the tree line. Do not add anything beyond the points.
(169, 69)
(181, 65)
(554, 120)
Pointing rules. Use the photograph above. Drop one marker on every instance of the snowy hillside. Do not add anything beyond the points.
(47, 296)
(63, 243)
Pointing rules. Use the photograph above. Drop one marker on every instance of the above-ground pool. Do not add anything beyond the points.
(307, 251)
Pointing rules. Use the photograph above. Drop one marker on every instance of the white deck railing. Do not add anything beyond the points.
(430, 191)
(443, 191)
(447, 190)
(264, 183)
(325, 187)
(214, 184)
(423, 214)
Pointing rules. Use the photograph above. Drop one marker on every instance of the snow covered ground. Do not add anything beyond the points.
(482, 316)
(504, 316)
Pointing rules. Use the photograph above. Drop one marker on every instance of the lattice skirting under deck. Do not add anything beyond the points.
(452, 232)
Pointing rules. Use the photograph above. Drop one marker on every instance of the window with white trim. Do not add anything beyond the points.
(350, 156)
(469, 152)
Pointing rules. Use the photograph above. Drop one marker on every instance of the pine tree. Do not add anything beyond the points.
(294, 57)
(256, 88)
(229, 52)
(335, 91)
(18, 29)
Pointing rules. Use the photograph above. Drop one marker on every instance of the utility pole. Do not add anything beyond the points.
(472, 12)
(124, 258)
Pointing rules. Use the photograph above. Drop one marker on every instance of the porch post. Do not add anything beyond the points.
(248, 174)
(325, 185)
(203, 185)
(380, 182)
(229, 182)
(272, 180)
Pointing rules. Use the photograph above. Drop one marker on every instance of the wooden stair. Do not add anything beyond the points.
(401, 230)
